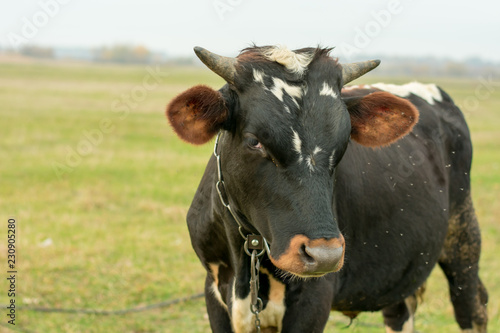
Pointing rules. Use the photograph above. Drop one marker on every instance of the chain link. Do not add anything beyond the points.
(256, 302)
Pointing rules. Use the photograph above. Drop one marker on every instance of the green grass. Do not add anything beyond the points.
(116, 217)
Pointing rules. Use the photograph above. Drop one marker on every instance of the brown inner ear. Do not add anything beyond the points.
(381, 118)
(197, 114)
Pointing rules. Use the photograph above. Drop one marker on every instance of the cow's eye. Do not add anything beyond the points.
(254, 144)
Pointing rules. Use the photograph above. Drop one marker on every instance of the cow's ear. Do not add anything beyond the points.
(380, 118)
(197, 114)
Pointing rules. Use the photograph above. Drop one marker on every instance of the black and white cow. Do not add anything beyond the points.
(359, 192)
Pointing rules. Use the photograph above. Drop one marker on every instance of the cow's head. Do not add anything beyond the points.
(286, 128)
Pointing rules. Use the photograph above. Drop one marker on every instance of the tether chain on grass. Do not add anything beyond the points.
(137, 309)
(114, 312)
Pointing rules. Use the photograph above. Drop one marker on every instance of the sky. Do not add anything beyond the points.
(451, 29)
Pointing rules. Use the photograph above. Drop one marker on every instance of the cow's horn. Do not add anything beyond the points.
(354, 70)
(222, 66)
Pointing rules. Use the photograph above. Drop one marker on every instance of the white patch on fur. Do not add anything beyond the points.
(331, 160)
(275, 309)
(272, 316)
(242, 318)
(328, 91)
(293, 62)
(214, 268)
(280, 85)
(429, 92)
(258, 76)
(297, 144)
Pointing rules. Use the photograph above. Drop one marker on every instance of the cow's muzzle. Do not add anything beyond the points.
(307, 257)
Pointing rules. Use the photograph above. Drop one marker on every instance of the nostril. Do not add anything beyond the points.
(322, 258)
(305, 252)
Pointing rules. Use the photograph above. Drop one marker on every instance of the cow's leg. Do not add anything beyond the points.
(397, 318)
(460, 263)
(400, 317)
(308, 306)
(216, 309)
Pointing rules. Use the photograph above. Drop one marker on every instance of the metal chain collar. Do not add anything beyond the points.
(256, 243)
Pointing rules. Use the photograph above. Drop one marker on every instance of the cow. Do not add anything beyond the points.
(350, 194)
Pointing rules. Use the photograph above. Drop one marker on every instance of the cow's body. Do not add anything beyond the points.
(401, 209)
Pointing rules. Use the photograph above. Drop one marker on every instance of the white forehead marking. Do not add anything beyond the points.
(280, 85)
(327, 91)
(309, 163)
(294, 62)
(428, 92)
(258, 76)
(317, 150)
(310, 159)
(297, 144)
(331, 159)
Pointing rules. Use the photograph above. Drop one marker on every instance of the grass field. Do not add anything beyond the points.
(100, 186)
